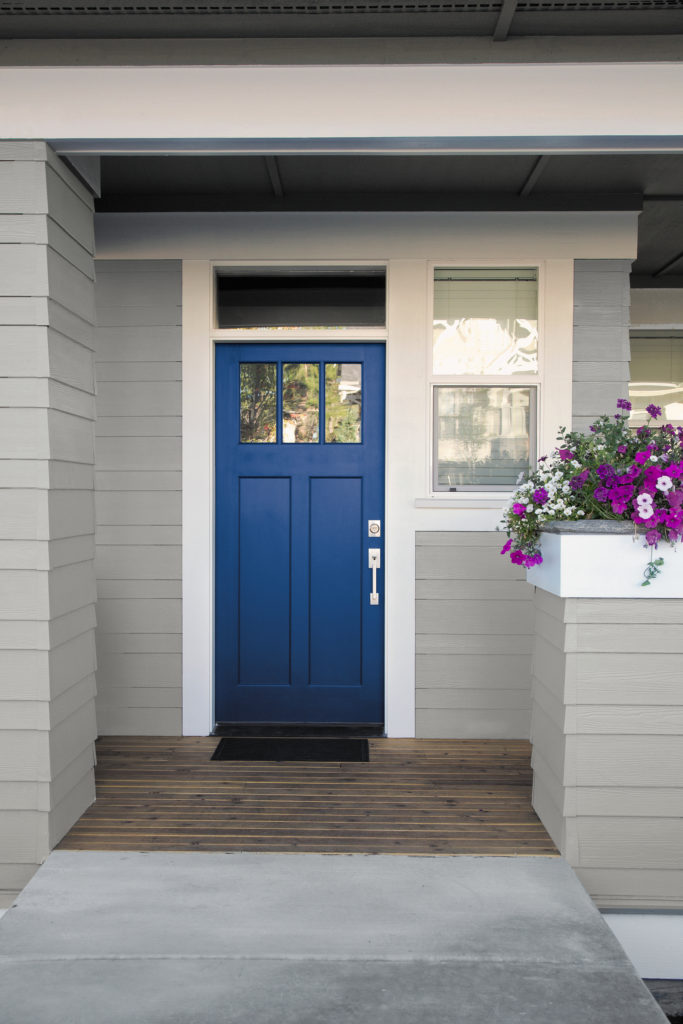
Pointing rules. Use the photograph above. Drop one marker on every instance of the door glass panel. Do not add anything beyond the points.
(300, 403)
(343, 398)
(258, 403)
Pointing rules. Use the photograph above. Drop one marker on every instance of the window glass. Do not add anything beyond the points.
(294, 297)
(656, 378)
(258, 403)
(482, 436)
(485, 321)
(300, 403)
(343, 398)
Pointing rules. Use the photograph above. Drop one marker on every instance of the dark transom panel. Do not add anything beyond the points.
(320, 18)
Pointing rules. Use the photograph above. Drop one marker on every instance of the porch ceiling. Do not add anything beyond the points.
(495, 19)
(653, 182)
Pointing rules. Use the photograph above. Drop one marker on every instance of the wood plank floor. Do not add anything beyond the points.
(443, 797)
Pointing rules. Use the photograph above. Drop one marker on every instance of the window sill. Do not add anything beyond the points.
(470, 499)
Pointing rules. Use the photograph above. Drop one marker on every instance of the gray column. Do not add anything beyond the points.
(607, 735)
(47, 581)
(601, 338)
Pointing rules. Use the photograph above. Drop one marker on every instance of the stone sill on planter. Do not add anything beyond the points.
(603, 558)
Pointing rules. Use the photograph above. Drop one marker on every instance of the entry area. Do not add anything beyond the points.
(299, 533)
(419, 797)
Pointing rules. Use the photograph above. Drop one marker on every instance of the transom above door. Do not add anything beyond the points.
(299, 480)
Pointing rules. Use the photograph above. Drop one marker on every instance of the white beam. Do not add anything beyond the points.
(498, 102)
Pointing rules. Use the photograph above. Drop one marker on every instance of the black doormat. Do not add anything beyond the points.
(291, 748)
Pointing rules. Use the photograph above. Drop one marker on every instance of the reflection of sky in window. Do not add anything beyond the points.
(485, 346)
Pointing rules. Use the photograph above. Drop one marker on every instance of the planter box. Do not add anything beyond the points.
(607, 714)
(603, 559)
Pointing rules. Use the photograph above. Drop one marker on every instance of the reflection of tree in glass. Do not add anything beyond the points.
(300, 399)
(258, 402)
(342, 403)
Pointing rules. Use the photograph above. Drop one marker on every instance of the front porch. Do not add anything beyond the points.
(420, 797)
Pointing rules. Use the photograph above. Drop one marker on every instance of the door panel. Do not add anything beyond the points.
(299, 472)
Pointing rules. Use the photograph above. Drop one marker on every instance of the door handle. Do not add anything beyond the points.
(375, 563)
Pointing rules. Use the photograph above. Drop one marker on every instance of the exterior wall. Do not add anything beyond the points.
(474, 621)
(138, 497)
(607, 736)
(47, 582)
(658, 308)
(601, 338)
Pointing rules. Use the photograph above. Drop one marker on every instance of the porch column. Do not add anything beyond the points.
(47, 578)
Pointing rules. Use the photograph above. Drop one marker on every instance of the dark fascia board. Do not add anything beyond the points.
(369, 201)
(338, 50)
(430, 146)
(647, 281)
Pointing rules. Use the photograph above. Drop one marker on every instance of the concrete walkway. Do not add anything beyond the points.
(192, 938)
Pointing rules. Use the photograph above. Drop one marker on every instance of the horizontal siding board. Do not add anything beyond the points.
(473, 590)
(631, 842)
(472, 724)
(138, 343)
(139, 426)
(139, 398)
(145, 562)
(468, 670)
(150, 615)
(459, 563)
(157, 536)
(127, 453)
(493, 617)
(447, 643)
(142, 669)
(115, 721)
(139, 643)
(139, 316)
(131, 481)
(137, 589)
(139, 371)
(473, 699)
(140, 696)
(130, 508)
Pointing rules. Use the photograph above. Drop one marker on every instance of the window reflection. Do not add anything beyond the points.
(343, 402)
(482, 436)
(485, 321)
(258, 403)
(300, 403)
(656, 378)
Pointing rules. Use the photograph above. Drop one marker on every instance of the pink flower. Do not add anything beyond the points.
(519, 509)
(565, 454)
(506, 547)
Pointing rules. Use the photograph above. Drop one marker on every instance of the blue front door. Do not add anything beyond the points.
(299, 478)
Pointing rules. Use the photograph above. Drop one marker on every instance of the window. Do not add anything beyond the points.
(484, 376)
(656, 377)
(296, 297)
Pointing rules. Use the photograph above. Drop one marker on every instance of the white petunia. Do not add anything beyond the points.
(664, 483)
(646, 511)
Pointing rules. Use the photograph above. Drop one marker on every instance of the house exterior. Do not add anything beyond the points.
(130, 563)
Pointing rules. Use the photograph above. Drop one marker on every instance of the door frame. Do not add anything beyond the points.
(200, 337)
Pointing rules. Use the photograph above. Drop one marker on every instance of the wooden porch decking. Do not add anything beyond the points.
(443, 797)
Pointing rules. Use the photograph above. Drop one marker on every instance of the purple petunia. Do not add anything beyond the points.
(577, 482)
(601, 494)
(540, 495)
(623, 403)
(654, 410)
(565, 454)
(519, 509)
(506, 547)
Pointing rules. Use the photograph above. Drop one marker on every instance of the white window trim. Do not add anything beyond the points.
(554, 361)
